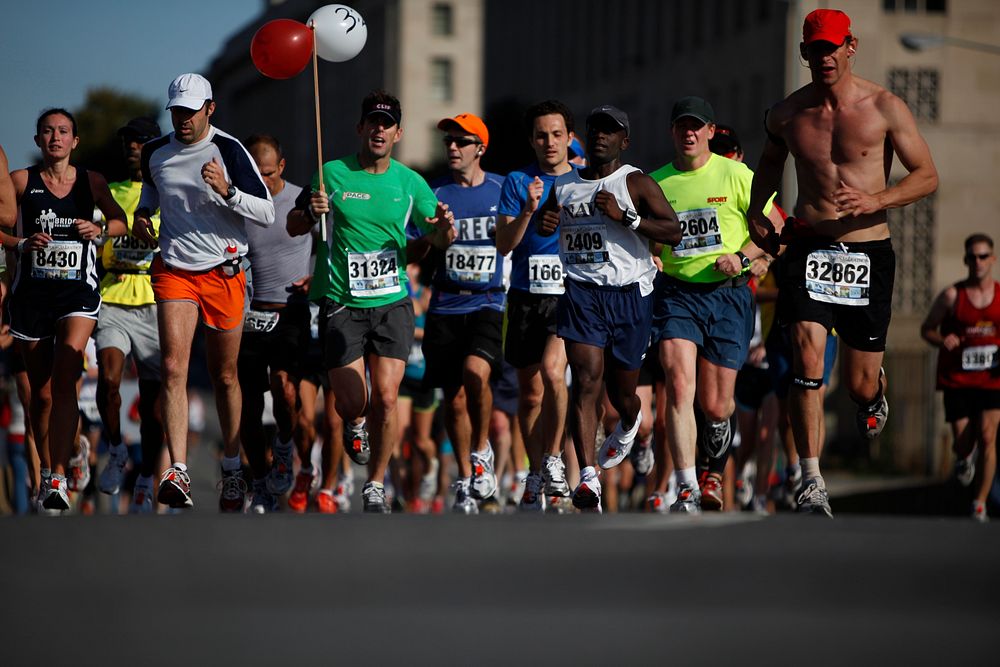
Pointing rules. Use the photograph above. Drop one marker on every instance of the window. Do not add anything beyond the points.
(441, 80)
(912, 231)
(918, 88)
(441, 20)
(911, 6)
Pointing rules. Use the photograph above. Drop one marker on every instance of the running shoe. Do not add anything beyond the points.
(979, 512)
(711, 492)
(532, 499)
(965, 467)
(280, 478)
(56, 496)
(617, 445)
(373, 496)
(814, 500)
(759, 505)
(516, 488)
(716, 438)
(298, 500)
(557, 491)
(744, 485)
(587, 496)
(688, 500)
(356, 444)
(264, 502)
(142, 499)
(642, 457)
(175, 489)
(343, 491)
(79, 466)
(429, 482)
(657, 503)
(789, 490)
(232, 492)
(437, 505)
(464, 502)
(325, 502)
(484, 478)
(872, 420)
(110, 479)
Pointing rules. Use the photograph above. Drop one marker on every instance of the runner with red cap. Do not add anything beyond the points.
(840, 262)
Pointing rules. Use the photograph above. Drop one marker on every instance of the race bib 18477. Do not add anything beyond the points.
(471, 263)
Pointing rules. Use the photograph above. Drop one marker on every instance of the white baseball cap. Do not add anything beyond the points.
(190, 91)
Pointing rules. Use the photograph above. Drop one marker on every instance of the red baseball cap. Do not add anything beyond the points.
(470, 123)
(826, 25)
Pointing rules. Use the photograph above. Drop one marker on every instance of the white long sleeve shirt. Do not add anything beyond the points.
(196, 223)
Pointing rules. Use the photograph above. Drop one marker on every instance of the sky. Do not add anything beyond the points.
(53, 51)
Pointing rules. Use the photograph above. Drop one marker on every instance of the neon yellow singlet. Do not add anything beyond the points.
(125, 253)
(711, 202)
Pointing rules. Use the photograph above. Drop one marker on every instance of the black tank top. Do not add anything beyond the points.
(68, 259)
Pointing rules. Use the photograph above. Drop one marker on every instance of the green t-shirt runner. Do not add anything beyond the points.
(363, 263)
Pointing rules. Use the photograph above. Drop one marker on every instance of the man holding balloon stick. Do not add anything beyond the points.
(366, 319)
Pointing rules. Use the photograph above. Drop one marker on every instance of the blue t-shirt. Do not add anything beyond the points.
(512, 199)
(469, 275)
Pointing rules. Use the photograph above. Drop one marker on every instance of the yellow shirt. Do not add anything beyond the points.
(126, 258)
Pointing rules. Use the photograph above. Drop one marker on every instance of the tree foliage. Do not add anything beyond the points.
(104, 111)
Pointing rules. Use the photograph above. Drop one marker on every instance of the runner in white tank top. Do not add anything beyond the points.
(606, 215)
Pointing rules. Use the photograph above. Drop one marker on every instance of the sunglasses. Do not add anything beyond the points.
(984, 256)
(461, 142)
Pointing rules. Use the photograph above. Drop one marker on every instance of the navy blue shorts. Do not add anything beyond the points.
(718, 319)
(616, 319)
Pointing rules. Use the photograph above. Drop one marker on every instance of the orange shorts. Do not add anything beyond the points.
(221, 299)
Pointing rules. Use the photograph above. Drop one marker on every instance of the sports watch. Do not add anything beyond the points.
(744, 260)
(631, 219)
(231, 192)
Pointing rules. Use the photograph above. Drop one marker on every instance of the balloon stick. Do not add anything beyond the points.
(319, 132)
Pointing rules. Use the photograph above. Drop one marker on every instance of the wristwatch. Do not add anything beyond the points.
(744, 260)
(630, 219)
(231, 192)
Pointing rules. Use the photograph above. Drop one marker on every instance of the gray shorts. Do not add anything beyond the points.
(351, 333)
(133, 330)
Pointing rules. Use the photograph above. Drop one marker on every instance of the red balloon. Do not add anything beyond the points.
(280, 49)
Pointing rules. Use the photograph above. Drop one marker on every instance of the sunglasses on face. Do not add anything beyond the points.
(982, 257)
(461, 142)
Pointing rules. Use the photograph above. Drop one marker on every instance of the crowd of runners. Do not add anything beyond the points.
(577, 335)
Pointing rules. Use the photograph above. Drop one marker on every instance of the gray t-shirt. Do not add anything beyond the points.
(277, 259)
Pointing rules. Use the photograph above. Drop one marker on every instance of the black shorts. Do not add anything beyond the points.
(418, 391)
(34, 313)
(752, 386)
(312, 368)
(506, 391)
(282, 348)
(449, 339)
(965, 403)
(351, 333)
(651, 370)
(531, 319)
(864, 327)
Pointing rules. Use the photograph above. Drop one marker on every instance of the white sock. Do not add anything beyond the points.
(359, 427)
(180, 465)
(588, 474)
(231, 463)
(810, 468)
(687, 476)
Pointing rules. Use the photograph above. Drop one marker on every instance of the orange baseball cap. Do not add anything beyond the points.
(826, 25)
(470, 123)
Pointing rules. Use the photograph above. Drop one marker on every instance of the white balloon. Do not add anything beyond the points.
(341, 33)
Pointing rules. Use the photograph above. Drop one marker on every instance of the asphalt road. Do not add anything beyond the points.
(205, 589)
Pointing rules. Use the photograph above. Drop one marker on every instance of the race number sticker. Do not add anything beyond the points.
(471, 264)
(59, 260)
(261, 321)
(979, 358)
(838, 277)
(700, 233)
(545, 274)
(583, 244)
(373, 273)
(130, 250)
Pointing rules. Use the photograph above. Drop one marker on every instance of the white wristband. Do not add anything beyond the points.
(635, 225)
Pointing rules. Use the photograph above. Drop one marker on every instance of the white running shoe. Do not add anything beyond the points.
(587, 497)
(464, 503)
(616, 446)
(642, 456)
(484, 479)
(56, 496)
(429, 482)
(79, 466)
(343, 491)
